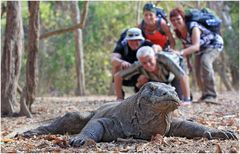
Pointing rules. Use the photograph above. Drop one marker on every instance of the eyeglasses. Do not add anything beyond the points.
(133, 34)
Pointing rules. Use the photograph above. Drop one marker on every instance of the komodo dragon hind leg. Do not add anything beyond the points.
(190, 129)
(71, 123)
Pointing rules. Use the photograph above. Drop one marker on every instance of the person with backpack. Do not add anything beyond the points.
(155, 26)
(124, 55)
(198, 39)
(165, 67)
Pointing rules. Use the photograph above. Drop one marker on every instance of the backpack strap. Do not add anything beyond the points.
(160, 27)
(142, 26)
(189, 28)
(125, 47)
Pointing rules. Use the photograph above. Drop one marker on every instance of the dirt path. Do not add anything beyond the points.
(222, 116)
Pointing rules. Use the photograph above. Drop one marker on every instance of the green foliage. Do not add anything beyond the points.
(231, 37)
(105, 22)
(57, 65)
(101, 32)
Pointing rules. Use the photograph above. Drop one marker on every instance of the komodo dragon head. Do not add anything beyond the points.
(158, 96)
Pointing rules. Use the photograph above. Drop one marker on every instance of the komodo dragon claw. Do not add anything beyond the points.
(220, 134)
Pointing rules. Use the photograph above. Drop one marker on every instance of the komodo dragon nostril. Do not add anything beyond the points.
(164, 93)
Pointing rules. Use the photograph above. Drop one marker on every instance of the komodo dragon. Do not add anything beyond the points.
(147, 113)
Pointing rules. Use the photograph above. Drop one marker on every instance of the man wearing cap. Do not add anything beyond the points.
(124, 55)
(164, 67)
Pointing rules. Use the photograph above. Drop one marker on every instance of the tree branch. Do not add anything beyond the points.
(4, 9)
(184, 4)
(19, 89)
(84, 13)
(70, 29)
(61, 31)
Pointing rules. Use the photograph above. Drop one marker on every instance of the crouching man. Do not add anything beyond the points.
(124, 55)
(164, 67)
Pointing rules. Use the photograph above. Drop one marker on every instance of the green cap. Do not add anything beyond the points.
(149, 7)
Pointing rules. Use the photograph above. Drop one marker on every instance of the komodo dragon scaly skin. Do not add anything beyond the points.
(140, 116)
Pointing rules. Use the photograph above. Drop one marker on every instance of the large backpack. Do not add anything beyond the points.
(205, 17)
(161, 14)
(123, 41)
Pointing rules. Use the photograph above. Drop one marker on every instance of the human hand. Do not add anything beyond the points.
(157, 48)
(141, 80)
(125, 65)
(178, 52)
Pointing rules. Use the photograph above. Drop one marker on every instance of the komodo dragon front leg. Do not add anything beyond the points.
(71, 123)
(183, 128)
(102, 129)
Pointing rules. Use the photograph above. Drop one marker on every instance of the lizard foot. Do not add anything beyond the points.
(79, 140)
(220, 134)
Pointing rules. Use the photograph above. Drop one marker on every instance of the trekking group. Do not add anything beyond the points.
(147, 52)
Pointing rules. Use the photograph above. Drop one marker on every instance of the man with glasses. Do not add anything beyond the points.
(164, 67)
(124, 55)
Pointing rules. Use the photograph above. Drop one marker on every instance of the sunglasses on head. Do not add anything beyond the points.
(133, 34)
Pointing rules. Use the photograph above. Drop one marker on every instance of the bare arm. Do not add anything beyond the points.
(116, 59)
(168, 33)
(118, 62)
(195, 42)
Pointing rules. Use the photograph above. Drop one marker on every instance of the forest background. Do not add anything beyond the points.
(104, 23)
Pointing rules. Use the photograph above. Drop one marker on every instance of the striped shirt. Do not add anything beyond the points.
(208, 39)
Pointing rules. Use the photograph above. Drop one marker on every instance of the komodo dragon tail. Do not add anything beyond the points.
(27, 127)
(71, 123)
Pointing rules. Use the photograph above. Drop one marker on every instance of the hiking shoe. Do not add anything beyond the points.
(206, 97)
(211, 100)
(202, 98)
(186, 103)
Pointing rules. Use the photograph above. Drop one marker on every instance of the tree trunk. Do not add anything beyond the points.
(28, 96)
(139, 12)
(75, 15)
(235, 77)
(11, 56)
(227, 21)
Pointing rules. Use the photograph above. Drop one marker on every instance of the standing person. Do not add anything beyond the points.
(156, 28)
(205, 44)
(124, 55)
(164, 67)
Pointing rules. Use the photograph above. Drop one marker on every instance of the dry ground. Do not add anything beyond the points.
(222, 116)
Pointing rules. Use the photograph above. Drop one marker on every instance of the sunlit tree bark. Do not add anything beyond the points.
(11, 57)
